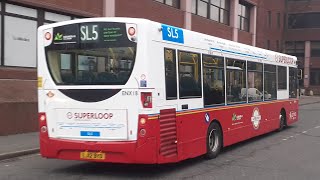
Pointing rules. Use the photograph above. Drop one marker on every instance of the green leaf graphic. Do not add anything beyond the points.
(58, 37)
(234, 117)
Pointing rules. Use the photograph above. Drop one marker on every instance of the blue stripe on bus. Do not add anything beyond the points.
(90, 133)
(233, 52)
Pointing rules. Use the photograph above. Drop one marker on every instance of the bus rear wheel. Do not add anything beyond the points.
(214, 140)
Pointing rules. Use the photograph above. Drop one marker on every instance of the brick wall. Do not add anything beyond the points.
(274, 32)
(245, 37)
(211, 27)
(151, 10)
(18, 106)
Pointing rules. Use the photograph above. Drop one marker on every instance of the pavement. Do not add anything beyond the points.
(18, 145)
(305, 100)
(23, 144)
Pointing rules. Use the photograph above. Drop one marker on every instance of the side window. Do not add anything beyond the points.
(270, 82)
(213, 80)
(170, 73)
(293, 82)
(255, 89)
(189, 75)
(282, 78)
(236, 81)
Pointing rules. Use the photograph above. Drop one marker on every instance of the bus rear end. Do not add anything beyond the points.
(89, 95)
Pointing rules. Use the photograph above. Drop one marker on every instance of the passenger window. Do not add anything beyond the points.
(270, 82)
(170, 73)
(255, 89)
(282, 78)
(236, 81)
(189, 75)
(213, 80)
(66, 70)
(293, 82)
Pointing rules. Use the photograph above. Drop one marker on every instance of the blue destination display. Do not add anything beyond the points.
(172, 34)
(90, 133)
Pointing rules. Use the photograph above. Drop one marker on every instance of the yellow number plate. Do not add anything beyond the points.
(92, 155)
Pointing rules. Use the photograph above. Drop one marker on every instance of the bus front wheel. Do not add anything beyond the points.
(214, 140)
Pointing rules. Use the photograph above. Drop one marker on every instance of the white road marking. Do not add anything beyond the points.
(303, 132)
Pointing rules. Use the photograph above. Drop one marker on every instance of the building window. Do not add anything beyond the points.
(213, 80)
(315, 77)
(305, 20)
(278, 20)
(285, 20)
(50, 17)
(170, 73)
(53, 17)
(269, 19)
(202, 8)
(315, 49)
(14, 9)
(236, 81)
(282, 78)
(244, 17)
(24, 39)
(217, 10)
(1, 60)
(278, 46)
(189, 75)
(173, 3)
(295, 48)
(20, 32)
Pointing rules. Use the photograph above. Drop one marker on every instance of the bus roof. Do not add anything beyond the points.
(196, 39)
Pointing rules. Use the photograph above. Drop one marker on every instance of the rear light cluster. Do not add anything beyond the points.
(146, 99)
(142, 125)
(43, 122)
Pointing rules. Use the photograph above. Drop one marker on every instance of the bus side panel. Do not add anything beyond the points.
(292, 114)
(192, 137)
(239, 123)
(252, 127)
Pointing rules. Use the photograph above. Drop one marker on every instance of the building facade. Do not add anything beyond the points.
(279, 25)
(303, 40)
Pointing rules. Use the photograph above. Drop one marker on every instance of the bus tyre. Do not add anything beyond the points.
(282, 120)
(214, 140)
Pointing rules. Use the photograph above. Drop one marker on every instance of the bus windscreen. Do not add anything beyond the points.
(91, 54)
